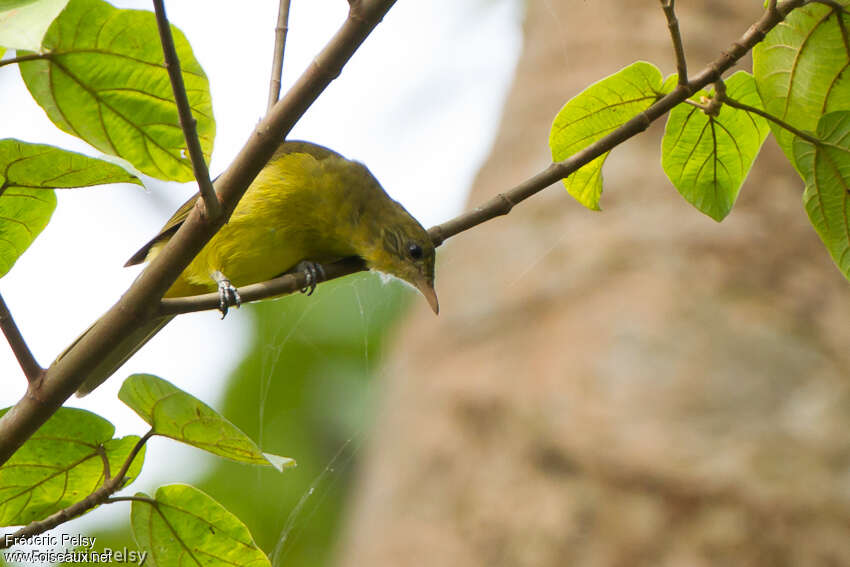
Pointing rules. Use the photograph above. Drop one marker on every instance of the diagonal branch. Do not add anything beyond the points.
(22, 351)
(280, 32)
(669, 7)
(212, 207)
(141, 301)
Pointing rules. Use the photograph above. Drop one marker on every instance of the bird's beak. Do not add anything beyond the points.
(426, 288)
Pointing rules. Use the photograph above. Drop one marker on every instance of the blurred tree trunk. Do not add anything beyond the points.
(641, 386)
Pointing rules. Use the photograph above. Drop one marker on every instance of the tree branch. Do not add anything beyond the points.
(28, 363)
(280, 32)
(141, 301)
(676, 36)
(503, 203)
(212, 207)
(96, 498)
(281, 285)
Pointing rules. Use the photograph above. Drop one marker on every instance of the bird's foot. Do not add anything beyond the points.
(228, 296)
(314, 272)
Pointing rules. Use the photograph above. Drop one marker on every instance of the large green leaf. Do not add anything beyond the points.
(183, 526)
(826, 170)
(708, 157)
(23, 23)
(28, 173)
(596, 111)
(173, 413)
(801, 69)
(102, 78)
(60, 465)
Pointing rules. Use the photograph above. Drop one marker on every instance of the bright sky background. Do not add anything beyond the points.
(419, 103)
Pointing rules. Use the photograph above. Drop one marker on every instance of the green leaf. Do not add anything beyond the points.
(826, 170)
(801, 70)
(184, 526)
(60, 465)
(670, 83)
(599, 109)
(102, 78)
(24, 23)
(707, 158)
(23, 215)
(28, 173)
(173, 413)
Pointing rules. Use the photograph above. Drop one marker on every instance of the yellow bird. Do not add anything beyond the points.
(308, 205)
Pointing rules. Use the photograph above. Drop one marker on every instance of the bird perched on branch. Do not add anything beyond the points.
(308, 205)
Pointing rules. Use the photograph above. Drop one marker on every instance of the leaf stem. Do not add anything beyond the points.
(22, 58)
(212, 207)
(280, 32)
(26, 359)
(145, 499)
(767, 116)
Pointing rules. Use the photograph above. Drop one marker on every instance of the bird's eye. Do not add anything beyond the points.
(415, 251)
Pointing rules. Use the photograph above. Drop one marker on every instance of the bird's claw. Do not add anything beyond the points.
(313, 271)
(227, 296)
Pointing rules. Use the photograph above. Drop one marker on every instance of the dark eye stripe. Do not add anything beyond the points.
(392, 243)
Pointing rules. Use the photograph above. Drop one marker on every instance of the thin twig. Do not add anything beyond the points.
(96, 498)
(775, 119)
(22, 351)
(280, 31)
(212, 207)
(676, 36)
(282, 285)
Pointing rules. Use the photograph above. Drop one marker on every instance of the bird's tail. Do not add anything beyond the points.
(118, 354)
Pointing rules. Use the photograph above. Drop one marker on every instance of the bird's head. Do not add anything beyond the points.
(405, 250)
(366, 219)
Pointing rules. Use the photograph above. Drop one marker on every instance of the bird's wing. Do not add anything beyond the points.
(293, 147)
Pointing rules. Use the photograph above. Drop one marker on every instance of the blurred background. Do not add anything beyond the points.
(641, 386)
